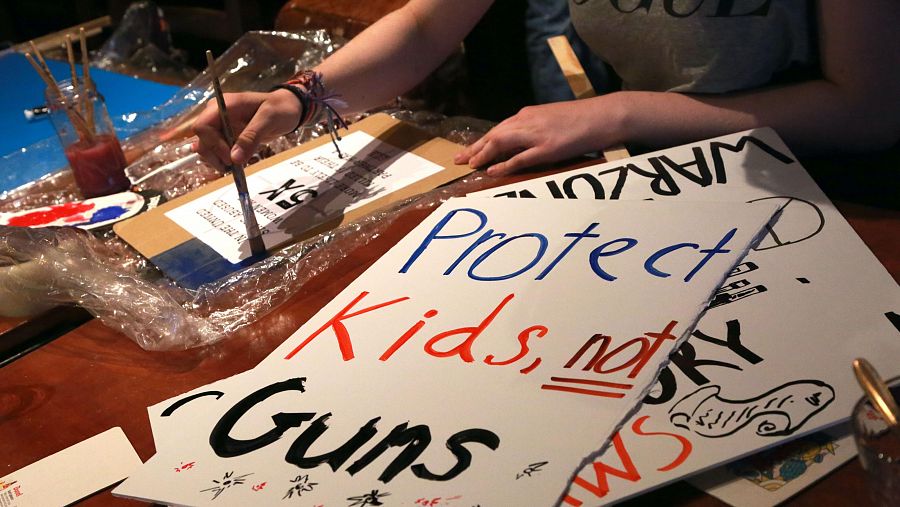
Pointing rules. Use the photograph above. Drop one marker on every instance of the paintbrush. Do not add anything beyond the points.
(87, 83)
(257, 247)
(81, 127)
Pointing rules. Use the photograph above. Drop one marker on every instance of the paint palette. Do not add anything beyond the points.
(91, 214)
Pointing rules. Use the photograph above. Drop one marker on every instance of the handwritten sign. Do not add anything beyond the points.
(72, 473)
(296, 194)
(770, 360)
(482, 359)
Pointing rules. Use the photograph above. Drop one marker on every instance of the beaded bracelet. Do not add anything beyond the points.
(309, 88)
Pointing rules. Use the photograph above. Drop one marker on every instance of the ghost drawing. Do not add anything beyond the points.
(780, 411)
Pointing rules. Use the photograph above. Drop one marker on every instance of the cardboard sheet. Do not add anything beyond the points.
(200, 237)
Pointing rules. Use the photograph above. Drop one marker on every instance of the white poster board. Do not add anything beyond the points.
(776, 347)
(71, 474)
(482, 359)
(321, 187)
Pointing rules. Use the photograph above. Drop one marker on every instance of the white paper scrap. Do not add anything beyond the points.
(72, 473)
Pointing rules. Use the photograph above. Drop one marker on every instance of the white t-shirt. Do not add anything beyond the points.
(700, 46)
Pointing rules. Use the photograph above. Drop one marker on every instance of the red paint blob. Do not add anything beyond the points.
(76, 219)
(44, 217)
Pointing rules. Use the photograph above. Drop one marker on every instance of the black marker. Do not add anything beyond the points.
(36, 113)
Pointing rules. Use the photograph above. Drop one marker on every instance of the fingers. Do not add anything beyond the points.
(527, 158)
(464, 156)
(256, 118)
(500, 144)
(210, 143)
(522, 147)
(211, 146)
(248, 141)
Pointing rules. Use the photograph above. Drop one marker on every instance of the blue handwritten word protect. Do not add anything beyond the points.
(607, 249)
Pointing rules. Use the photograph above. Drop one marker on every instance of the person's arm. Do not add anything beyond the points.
(385, 60)
(854, 107)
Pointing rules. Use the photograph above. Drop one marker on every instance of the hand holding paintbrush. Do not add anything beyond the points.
(257, 247)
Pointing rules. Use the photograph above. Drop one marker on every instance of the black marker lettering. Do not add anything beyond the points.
(225, 446)
(463, 457)
(416, 439)
(297, 453)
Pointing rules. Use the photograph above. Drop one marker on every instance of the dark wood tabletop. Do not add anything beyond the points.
(94, 378)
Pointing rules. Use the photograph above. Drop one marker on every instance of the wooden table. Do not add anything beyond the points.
(345, 18)
(94, 378)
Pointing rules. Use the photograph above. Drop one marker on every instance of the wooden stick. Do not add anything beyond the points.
(83, 129)
(40, 58)
(53, 40)
(579, 83)
(45, 76)
(88, 83)
(70, 55)
(77, 121)
(76, 84)
(571, 67)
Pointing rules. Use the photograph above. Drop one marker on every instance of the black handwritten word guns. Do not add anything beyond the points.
(462, 219)
(413, 439)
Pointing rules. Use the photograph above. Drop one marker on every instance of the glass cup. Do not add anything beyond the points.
(879, 449)
(88, 140)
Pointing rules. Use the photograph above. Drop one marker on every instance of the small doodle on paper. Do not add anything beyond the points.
(780, 411)
(227, 481)
(371, 498)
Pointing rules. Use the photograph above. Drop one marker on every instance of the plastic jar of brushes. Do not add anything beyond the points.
(88, 139)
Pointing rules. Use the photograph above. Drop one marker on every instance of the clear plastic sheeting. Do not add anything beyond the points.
(40, 268)
(142, 40)
(256, 62)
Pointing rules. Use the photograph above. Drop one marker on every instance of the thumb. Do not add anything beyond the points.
(248, 142)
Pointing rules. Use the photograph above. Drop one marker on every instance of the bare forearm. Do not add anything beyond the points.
(813, 117)
(855, 106)
(399, 51)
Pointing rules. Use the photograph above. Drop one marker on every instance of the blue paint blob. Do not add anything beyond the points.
(107, 213)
